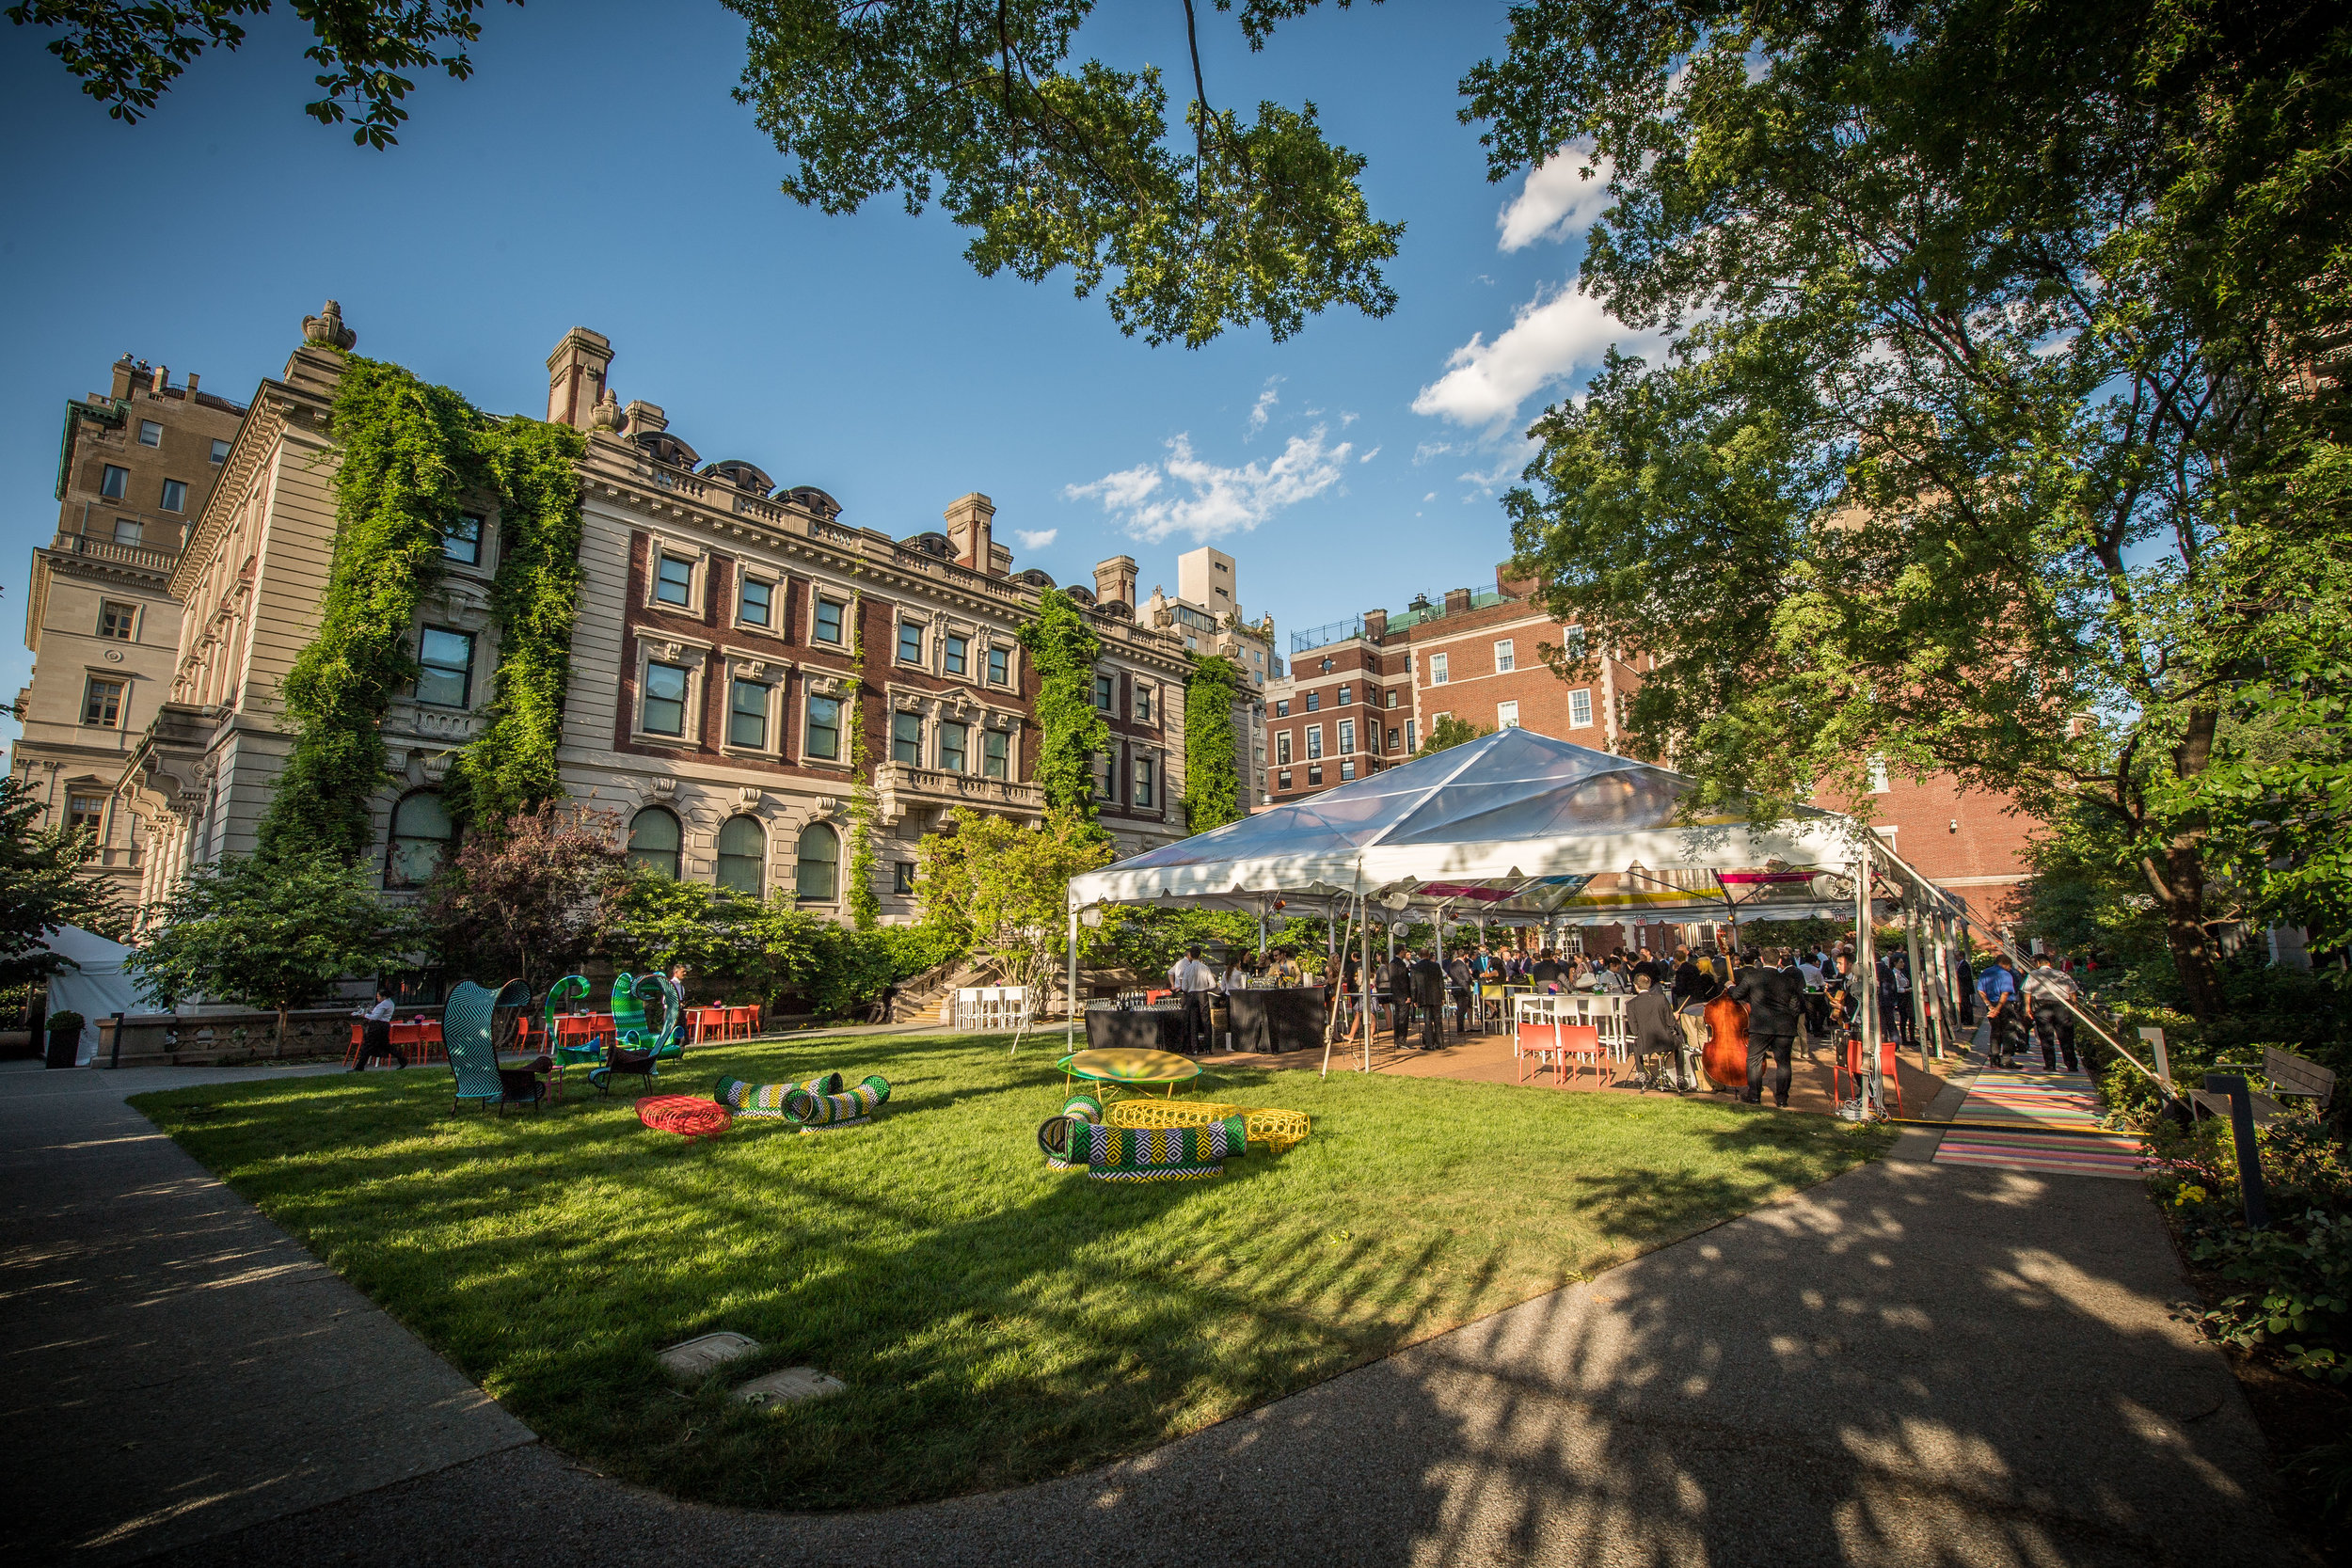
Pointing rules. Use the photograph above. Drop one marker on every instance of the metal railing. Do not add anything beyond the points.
(1316, 637)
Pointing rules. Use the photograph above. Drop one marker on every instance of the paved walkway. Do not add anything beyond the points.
(2038, 1121)
(1912, 1364)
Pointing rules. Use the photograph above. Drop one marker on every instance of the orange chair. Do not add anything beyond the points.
(1581, 1042)
(1539, 1044)
(1849, 1065)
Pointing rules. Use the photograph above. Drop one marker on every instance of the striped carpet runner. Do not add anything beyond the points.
(2038, 1121)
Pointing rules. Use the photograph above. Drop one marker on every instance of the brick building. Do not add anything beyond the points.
(1360, 695)
(713, 685)
(135, 464)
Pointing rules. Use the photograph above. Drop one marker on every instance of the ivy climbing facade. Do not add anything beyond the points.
(406, 617)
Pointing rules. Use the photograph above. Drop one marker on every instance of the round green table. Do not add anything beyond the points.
(1126, 1066)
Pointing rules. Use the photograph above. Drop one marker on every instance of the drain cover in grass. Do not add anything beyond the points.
(793, 1382)
(689, 1361)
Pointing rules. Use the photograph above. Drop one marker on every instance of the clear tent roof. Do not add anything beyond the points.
(1512, 813)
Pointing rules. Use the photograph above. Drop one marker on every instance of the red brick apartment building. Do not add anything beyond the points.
(1361, 694)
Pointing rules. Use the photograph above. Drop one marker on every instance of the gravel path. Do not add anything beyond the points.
(1910, 1364)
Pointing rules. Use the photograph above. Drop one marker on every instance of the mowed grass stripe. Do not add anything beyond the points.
(995, 1322)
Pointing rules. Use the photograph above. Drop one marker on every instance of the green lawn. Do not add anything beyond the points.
(996, 1323)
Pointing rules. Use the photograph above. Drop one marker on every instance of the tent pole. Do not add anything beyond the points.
(1364, 988)
(1866, 965)
(1920, 1012)
(1070, 1027)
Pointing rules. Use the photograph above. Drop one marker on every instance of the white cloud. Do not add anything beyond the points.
(1221, 500)
(1432, 496)
(1266, 400)
(1558, 200)
(1428, 450)
(1036, 538)
(1554, 337)
(1369, 455)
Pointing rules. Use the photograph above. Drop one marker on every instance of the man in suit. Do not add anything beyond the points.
(1650, 1017)
(1774, 1000)
(1463, 982)
(1193, 980)
(1429, 996)
(1400, 983)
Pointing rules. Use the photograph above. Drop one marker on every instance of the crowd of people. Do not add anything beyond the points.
(1789, 993)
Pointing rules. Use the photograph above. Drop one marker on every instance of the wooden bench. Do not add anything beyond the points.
(2288, 1073)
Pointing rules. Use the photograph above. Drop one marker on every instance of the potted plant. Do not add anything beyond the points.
(65, 1038)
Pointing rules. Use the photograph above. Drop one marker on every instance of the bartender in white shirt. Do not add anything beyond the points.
(1193, 980)
(375, 1031)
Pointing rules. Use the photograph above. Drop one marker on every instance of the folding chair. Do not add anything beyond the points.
(1581, 1042)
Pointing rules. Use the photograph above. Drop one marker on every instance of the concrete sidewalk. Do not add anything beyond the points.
(1910, 1364)
(172, 1367)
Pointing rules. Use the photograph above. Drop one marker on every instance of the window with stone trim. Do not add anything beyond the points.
(1580, 707)
(101, 701)
(744, 855)
(905, 739)
(663, 708)
(995, 754)
(954, 744)
(673, 581)
(655, 840)
(817, 871)
(747, 715)
(756, 602)
(423, 834)
(822, 738)
(830, 615)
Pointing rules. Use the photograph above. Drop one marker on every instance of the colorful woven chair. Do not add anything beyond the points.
(1144, 1153)
(1083, 1108)
(628, 1010)
(671, 1042)
(467, 1025)
(813, 1112)
(620, 1060)
(766, 1101)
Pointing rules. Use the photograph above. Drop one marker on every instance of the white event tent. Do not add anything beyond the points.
(1517, 825)
(1512, 824)
(97, 985)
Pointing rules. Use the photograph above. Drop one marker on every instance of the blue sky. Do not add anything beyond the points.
(595, 171)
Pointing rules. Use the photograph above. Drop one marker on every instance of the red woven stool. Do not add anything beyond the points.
(688, 1116)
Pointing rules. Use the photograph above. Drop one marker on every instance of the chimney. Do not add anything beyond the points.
(125, 369)
(1456, 600)
(193, 379)
(968, 532)
(162, 380)
(645, 419)
(576, 374)
(1115, 579)
(1376, 625)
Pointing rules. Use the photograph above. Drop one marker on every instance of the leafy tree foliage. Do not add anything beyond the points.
(528, 896)
(127, 55)
(270, 933)
(1214, 789)
(1450, 731)
(998, 889)
(1971, 452)
(411, 457)
(45, 883)
(1071, 732)
(1053, 163)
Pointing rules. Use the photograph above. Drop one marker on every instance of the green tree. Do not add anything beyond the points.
(127, 55)
(270, 934)
(527, 895)
(999, 889)
(1213, 780)
(1070, 730)
(1968, 454)
(1449, 732)
(729, 941)
(45, 883)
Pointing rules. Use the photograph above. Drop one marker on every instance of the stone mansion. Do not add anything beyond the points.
(713, 688)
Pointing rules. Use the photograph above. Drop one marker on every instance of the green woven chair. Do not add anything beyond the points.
(628, 1010)
(671, 1042)
(468, 1033)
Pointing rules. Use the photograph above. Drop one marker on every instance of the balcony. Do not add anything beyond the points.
(899, 789)
(90, 548)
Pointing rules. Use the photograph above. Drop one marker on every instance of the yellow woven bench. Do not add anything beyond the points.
(1277, 1130)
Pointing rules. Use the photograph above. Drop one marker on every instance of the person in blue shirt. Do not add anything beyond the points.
(2004, 1012)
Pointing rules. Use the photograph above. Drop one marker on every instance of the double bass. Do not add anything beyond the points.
(1725, 1059)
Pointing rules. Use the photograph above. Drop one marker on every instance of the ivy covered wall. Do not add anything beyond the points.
(1064, 650)
(1213, 785)
(413, 456)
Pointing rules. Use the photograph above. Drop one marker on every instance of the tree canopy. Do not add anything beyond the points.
(1448, 731)
(1991, 439)
(45, 885)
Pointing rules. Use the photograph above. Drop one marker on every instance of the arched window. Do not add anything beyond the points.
(819, 879)
(653, 840)
(743, 854)
(422, 837)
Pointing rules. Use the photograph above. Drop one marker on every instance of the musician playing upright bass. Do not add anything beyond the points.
(1775, 1003)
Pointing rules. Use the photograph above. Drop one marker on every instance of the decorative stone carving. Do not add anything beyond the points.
(660, 789)
(326, 329)
(435, 765)
(750, 796)
(607, 415)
